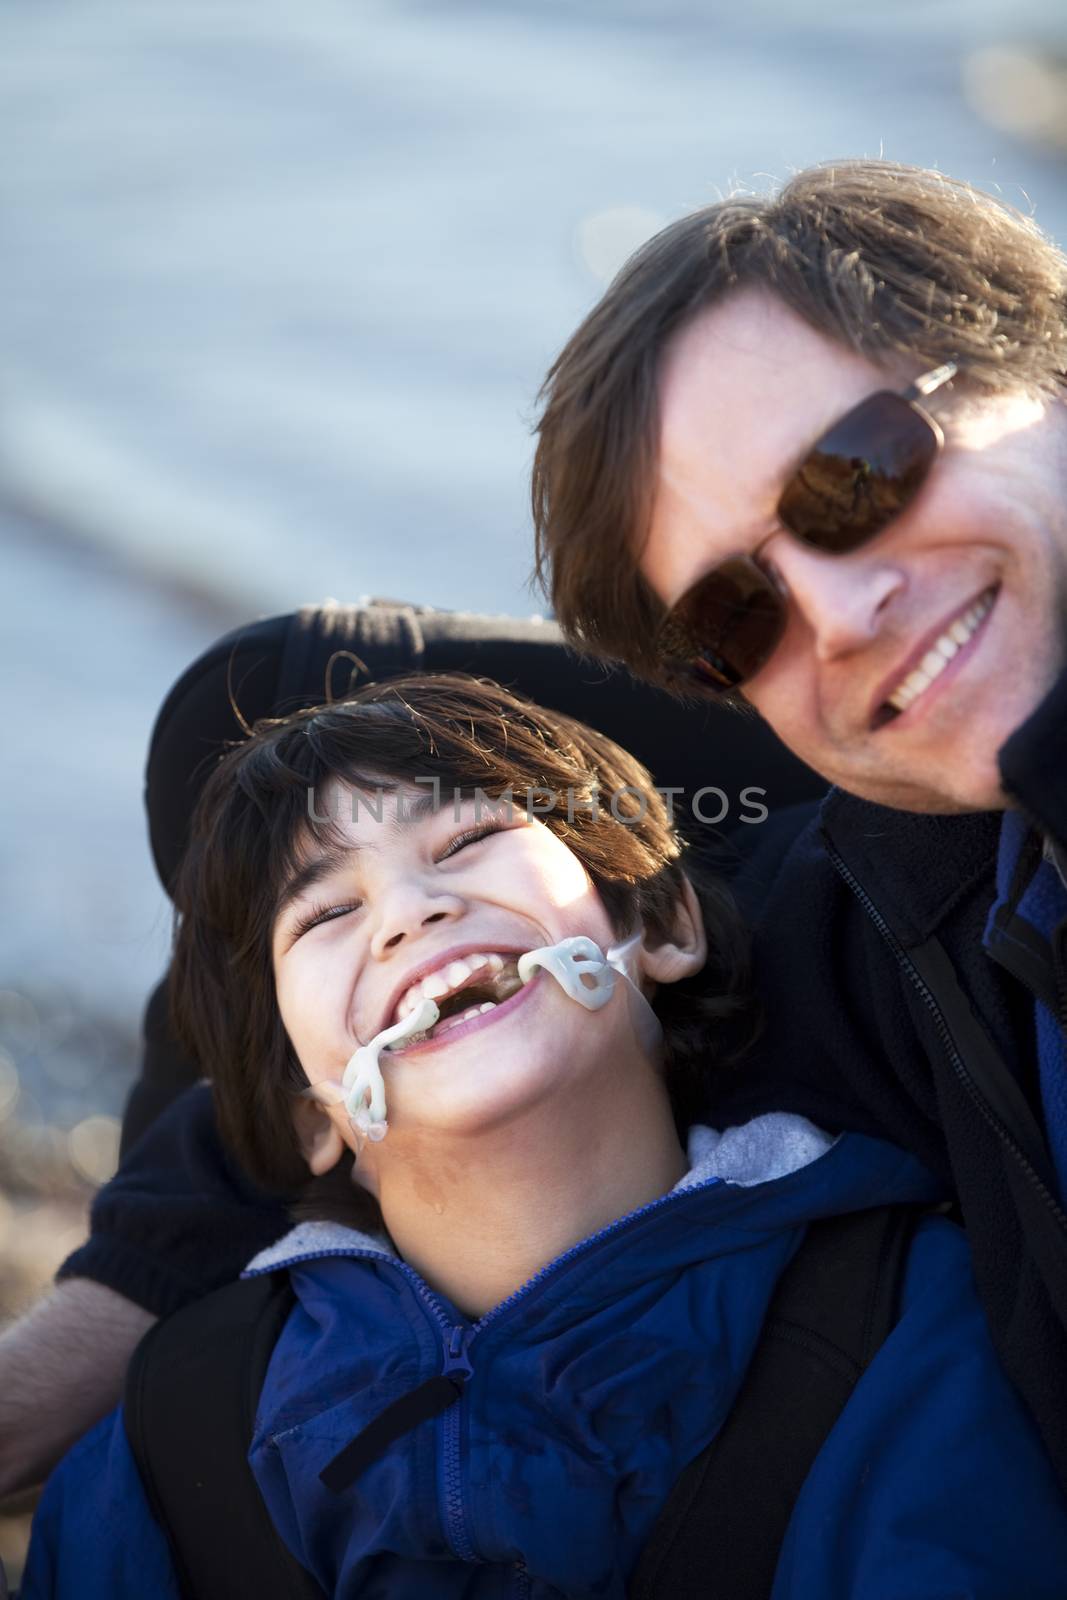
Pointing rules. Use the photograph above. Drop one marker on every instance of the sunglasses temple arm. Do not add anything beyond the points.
(931, 381)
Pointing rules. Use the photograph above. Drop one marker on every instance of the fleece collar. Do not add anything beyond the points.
(915, 867)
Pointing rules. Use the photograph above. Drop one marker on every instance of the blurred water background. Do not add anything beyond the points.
(278, 285)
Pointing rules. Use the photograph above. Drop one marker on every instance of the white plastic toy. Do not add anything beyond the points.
(587, 975)
(363, 1076)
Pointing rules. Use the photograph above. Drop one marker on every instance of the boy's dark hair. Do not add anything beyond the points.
(890, 261)
(252, 824)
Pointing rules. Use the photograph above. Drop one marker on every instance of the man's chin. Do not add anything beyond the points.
(967, 787)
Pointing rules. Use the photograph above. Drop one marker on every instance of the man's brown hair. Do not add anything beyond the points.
(887, 260)
(253, 824)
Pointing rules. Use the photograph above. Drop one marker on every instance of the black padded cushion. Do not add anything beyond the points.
(278, 664)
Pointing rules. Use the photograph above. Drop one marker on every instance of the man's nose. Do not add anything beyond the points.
(841, 598)
(408, 909)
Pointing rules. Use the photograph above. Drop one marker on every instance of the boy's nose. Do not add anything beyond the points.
(406, 911)
(841, 598)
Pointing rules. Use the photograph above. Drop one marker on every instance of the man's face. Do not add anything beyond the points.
(745, 390)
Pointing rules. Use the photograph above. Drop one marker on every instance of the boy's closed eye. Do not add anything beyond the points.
(317, 914)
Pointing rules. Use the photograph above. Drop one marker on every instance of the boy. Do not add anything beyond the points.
(538, 1215)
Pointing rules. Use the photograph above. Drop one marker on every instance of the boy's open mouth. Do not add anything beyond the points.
(488, 981)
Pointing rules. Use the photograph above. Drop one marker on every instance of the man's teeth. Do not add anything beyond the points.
(937, 659)
(447, 979)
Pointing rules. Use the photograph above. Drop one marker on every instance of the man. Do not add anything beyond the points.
(896, 611)
(885, 581)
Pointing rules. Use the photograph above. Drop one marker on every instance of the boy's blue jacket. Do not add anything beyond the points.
(590, 1389)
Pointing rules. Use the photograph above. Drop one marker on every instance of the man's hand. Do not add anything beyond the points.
(62, 1367)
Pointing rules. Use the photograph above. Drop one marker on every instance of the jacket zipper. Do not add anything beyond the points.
(522, 1587)
(958, 1064)
(456, 1363)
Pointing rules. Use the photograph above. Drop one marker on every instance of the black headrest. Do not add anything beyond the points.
(279, 664)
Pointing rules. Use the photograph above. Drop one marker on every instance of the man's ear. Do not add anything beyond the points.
(685, 949)
(318, 1136)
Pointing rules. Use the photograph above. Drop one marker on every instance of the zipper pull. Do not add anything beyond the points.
(457, 1365)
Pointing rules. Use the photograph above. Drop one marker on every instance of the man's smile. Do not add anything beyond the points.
(935, 660)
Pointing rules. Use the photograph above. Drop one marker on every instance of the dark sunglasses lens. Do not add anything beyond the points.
(860, 475)
(725, 627)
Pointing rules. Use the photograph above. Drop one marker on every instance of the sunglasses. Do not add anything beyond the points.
(858, 476)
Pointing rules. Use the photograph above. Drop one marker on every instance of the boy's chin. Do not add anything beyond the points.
(479, 1091)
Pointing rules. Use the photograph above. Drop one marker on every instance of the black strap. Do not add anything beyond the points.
(1017, 946)
(722, 1528)
(418, 1405)
(189, 1409)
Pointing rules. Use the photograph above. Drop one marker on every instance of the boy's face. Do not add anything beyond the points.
(415, 895)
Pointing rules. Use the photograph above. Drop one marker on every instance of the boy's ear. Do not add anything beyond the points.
(318, 1136)
(685, 949)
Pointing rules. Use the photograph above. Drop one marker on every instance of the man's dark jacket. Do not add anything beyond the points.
(884, 1010)
(884, 1013)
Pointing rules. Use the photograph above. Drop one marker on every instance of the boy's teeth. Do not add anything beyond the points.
(446, 979)
(464, 1016)
(936, 660)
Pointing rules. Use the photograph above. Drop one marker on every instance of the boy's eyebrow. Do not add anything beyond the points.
(311, 873)
(412, 810)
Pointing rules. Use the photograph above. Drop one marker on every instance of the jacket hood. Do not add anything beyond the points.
(587, 1391)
